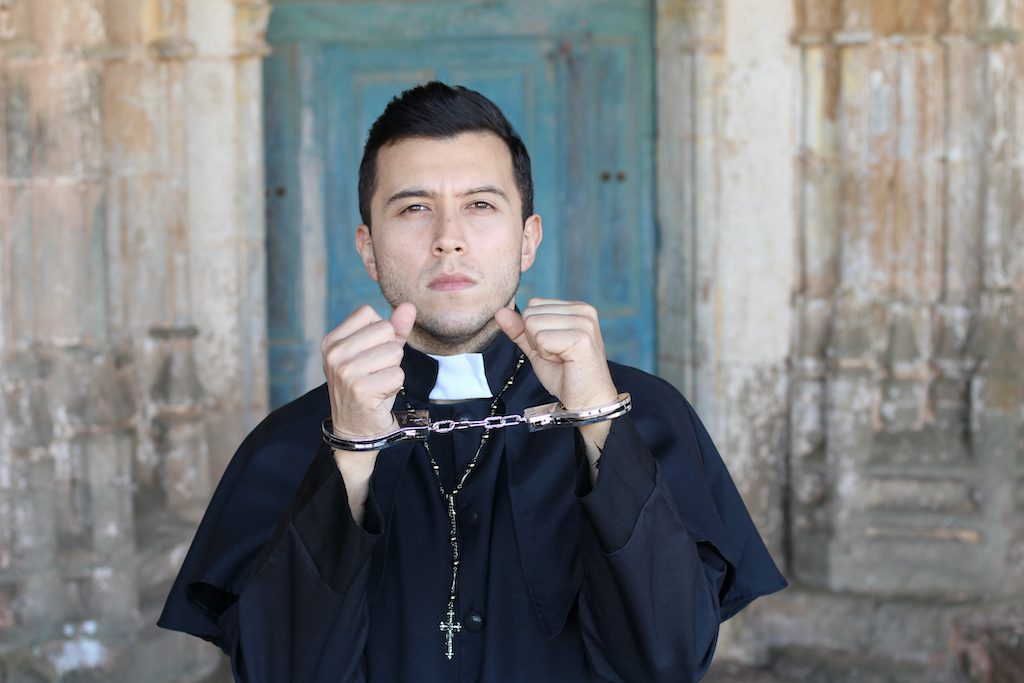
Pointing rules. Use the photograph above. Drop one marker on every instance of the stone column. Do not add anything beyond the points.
(727, 190)
(69, 415)
(226, 223)
(689, 65)
(132, 332)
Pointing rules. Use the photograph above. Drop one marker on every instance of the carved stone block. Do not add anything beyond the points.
(14, 98)
(26, 418)
(181, 445)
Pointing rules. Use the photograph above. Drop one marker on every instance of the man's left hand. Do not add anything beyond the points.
(562, 340)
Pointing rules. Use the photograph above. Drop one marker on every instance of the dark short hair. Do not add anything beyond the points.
(436, 110)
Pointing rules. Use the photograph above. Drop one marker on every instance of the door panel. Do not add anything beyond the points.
(580, 98)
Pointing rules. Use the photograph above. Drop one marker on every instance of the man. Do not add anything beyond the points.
(609, 550)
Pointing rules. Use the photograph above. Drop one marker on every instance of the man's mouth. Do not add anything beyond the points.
(451, 282)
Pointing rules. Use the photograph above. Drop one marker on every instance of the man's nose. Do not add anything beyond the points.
(450, 235)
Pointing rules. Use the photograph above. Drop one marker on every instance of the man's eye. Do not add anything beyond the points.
(481, 205)
(414, 208)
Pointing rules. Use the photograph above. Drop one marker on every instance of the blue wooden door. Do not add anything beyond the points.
(573, 78)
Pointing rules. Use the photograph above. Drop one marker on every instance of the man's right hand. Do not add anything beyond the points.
(362, 362)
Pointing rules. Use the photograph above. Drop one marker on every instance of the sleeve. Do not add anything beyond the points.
(649, 602)
(302, 615)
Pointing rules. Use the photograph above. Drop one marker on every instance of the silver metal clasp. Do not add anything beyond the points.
(556, 415)
(413, 424)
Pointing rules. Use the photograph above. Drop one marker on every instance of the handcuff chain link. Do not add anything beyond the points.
(491, 422)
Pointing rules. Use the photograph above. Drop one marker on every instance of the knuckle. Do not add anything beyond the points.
(346, 374)
(337, 356)
(358, 386)
(389, 333)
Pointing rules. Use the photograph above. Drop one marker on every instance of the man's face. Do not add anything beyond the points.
(448, 236)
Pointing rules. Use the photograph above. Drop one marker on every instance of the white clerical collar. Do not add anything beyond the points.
(459, 378)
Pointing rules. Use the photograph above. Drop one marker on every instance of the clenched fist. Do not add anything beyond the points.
(562, 340)
(362, 362)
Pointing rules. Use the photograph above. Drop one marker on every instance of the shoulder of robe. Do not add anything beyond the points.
(660, 412)
(706, 498)
(257, 487)
(269, 464)
(288, 425)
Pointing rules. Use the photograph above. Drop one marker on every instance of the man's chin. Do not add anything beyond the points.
(454, 328)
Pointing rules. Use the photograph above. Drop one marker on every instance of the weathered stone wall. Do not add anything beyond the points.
(132, 332)
(904, 446)
(841, 293)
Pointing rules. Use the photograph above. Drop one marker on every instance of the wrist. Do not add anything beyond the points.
(585, 400)
(358, 464)
(355, 470)
(594, 436)
(363, 428)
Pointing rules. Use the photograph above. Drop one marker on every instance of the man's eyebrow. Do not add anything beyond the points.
(409, 193)
(487, 189)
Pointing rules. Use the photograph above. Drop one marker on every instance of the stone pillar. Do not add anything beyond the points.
(69, 431)
(818, 248)
(132, 332)
(226, 223)
(727, 191)
(689, 65)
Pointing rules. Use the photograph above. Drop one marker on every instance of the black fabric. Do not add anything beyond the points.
(625, 580)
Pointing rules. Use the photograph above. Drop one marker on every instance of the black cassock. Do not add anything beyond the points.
(558, 581)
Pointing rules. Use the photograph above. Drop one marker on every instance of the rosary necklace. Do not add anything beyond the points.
(416, 424)
(449, 627)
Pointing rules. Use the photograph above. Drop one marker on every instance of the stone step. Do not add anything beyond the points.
(800, 665)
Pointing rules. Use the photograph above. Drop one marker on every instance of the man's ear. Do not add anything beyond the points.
(533, 233)
(364, 245)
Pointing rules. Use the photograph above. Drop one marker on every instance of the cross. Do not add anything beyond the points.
(450, 627)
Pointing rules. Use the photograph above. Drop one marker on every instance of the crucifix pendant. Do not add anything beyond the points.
(450, 628)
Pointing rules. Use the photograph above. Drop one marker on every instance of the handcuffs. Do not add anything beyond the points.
(416, 424)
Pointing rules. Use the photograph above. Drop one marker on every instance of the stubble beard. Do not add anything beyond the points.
(450, 332)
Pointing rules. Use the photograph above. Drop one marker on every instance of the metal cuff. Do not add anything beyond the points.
(409, 424)
(557, 415)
